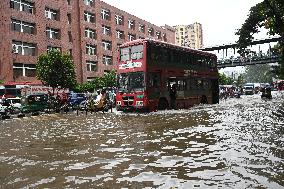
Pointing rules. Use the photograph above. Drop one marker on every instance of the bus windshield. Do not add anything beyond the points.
(133, 52)
(132, 81)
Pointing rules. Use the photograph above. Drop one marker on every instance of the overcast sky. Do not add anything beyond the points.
(219, 18)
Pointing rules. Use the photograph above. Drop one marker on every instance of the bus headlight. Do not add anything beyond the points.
(118, 103)
(139, 103)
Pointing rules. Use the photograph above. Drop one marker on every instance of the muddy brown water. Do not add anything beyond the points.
(238, 143)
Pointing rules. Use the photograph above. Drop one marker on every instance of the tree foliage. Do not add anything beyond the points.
(107, 80)
(225, 80)
(240, 80)
(55, 69)
(268, 14)
(260, 73)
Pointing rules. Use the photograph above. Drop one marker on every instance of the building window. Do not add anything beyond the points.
(119, 20)
(89, 17)
(22, 5)
(23, 27)
(89, 2)
(51, 14)
(49, 48)
(68, 2)
(119, 34)
(142, 28)
(70, 53)
(91, 66)
(26, 70)
(131, 24)
(151, 31)
(89, 33)
(23, 48)
(70, 36)
(90, 78)
(158, 34)
(106, 30)
(106, 45)
(131, 37)
(69, 18)
(107, 60)
(91, 49)
(105, 14)
(52, 33)
(164, 37)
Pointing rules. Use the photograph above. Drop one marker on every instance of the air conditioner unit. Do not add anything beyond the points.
(15, 49)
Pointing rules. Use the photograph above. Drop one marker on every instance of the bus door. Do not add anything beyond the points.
(172, 89)
(154, 85)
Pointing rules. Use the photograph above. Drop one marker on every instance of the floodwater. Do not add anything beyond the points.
(238, 143)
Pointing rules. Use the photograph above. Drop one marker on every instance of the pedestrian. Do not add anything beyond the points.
(173, 91)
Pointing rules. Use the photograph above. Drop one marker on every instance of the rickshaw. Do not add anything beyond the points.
(266, 93)
(34, 103)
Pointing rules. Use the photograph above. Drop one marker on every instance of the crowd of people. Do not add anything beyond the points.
(229, 92)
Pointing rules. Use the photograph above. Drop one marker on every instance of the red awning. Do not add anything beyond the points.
(23, 83)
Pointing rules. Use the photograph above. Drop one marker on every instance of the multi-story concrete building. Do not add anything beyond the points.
(90, 30)
(189, 35)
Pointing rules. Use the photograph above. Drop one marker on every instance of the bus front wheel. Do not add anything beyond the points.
(204, 100)
(163, 104)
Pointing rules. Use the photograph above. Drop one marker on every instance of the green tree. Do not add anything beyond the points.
(240, 80)
(260, 73)
(107, 80)
(268, 14)
(225, 80)
(55, 69)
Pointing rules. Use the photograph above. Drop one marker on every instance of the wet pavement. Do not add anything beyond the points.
(238, 143)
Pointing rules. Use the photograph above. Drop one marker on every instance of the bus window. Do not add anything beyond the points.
(154, 80)
(206, 84)
(13, 91)
(132, 81)
(181, 85)
(137, 52)
(125, 54)
(211, 62)
(136, 80)
(2, 91)
(195, 83)
(164, 56)
(199, 84)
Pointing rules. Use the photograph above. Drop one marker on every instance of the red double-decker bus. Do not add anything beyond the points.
(154, 75)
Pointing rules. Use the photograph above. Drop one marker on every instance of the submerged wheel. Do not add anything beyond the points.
(203, 100)
(163, 104)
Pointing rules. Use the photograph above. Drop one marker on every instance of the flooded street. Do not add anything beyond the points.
(238, 143)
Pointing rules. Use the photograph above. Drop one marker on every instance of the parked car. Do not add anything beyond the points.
(15, 102)
(3, 110)
(10, 106)
(75, 99)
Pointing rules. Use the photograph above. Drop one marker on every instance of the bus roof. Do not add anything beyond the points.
(165, 44)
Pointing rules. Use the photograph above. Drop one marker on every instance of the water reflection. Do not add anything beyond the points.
(235, 144)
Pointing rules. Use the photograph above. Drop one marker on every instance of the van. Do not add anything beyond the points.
(248, 89)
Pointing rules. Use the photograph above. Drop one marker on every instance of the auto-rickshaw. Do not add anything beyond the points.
(34, 103)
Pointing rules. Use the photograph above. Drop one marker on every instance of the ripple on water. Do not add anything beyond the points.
(235, 144)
